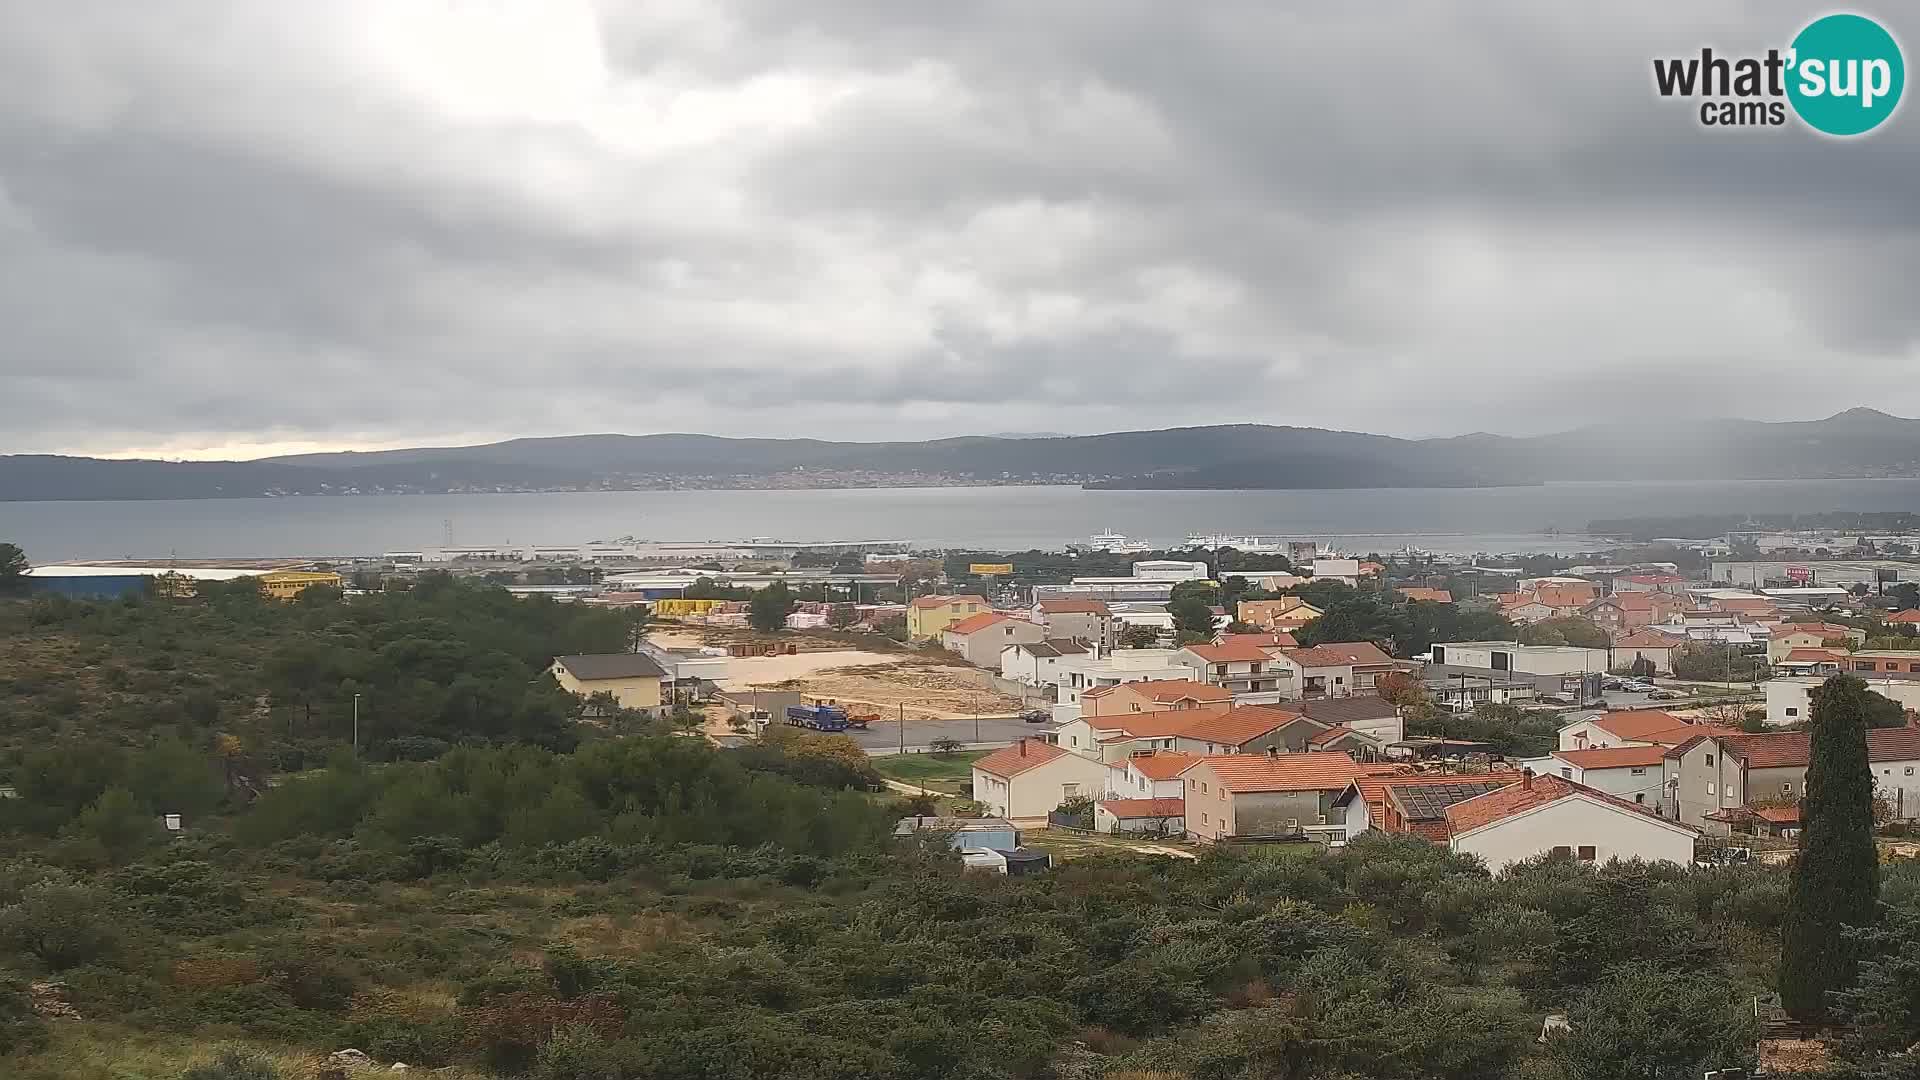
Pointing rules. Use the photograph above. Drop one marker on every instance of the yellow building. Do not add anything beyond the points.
(675, 607)
(632, 678)
(929, 616)
(287, 584)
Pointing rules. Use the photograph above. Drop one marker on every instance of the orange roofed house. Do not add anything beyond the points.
(978, 639)
(1030, 778)
(929, 616)
(1549, 815)
(1255, 795)
(1410, 802)
(1153, 695)
(1432, 596)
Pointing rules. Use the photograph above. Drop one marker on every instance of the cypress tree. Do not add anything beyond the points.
(1836, 879)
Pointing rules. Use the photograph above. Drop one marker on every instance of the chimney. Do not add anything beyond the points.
(1023, 748)
(1526, 779)
(1273, 751)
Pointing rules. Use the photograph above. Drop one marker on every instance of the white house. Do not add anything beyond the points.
(980, 638)
(1525, 659)
(1630, 727)
(1078, 674)
(1152, 775)
(1030, 778)
(1633, 773)
(1549, 814)
(1342, 570)
(1037, 663)
(1789, 699)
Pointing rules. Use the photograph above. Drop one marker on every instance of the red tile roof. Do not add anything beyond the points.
(1338, 654)
(1176, 689)
(1484, 810)
(1911, 615)
(1010, 761)
(1779, 815)
(1159, 765)
(942, 601)
(973, 624)
(1131, 809)
(1794, 749)
(1374, 789)
(1263, 641)
(1074, 607)
(1231, 653)
(1638, 724)
(1415, 592)
(1237, 727)
(1249, 773)
(1813, 656)
(1614, 757)
(1144, 725)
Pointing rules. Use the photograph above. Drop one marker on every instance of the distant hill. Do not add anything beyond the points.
(1859, 442)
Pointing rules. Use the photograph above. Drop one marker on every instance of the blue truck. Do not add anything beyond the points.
(818, 717)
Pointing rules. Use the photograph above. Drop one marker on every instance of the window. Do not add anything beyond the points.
(1562, 850)
(1791, 711)
(1786, 788)
(1587, 853)
(1709, 761)
(1567, 773)
(1640, 797)
(1203, 817)
(1636, 772)
(1070, 790)
(1709, 787)
(1203, 789)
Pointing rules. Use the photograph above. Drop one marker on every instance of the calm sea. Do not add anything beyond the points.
(1546, 518)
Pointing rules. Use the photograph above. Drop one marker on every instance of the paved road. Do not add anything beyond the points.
(994, 732)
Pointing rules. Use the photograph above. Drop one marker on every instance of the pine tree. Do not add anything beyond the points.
(1836, 879)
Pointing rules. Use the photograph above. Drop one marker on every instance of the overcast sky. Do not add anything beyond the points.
(230, 229)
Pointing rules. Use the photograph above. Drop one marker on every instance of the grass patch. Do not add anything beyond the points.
(943, 772)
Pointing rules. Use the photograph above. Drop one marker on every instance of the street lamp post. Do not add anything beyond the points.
(356, 725)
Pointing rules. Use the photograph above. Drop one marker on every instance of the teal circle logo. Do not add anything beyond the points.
(1846, 75)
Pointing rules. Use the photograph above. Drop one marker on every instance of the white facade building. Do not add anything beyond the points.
(1169, 570)
(1790, 701)
(1525, 659)
(1550, 815)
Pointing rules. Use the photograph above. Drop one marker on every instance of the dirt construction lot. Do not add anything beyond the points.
(930, 685)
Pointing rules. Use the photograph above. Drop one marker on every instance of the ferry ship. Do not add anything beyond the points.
(1114, 543)
(1276, 545)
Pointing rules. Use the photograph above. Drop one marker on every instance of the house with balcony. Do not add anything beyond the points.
(1239, 667)
(1251, 796)
(1330, 670)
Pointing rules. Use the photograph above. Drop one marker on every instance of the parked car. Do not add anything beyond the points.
(1035, 716)
(1665, 695)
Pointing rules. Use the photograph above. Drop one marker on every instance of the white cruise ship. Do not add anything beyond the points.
(1111, 541)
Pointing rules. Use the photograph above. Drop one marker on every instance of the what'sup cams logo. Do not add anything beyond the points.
(1842, 76)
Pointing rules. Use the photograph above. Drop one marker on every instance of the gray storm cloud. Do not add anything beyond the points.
(242, 225)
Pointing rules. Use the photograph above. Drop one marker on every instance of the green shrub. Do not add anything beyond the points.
(62, 926)
(234, 1064)
(20, 1027)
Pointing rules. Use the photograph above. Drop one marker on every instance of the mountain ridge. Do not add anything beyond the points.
(1857, 442)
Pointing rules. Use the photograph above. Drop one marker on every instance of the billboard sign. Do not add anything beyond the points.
(1799, 574)
(990, 569)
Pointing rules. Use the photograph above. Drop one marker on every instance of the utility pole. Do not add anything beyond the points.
(903, 727)
(356, 725)
(976, 718)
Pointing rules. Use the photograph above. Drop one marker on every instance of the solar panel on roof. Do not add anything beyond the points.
(1426, 802)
